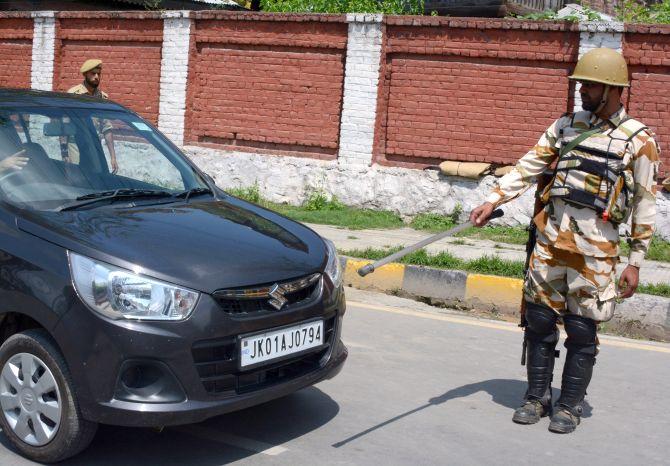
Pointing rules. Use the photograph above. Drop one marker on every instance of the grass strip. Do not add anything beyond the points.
(353, 219)
(658, 289)
(659, 249)
(322, 209)
(436, 223)
(488, 265)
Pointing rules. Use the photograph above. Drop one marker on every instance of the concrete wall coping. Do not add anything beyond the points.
(176, 14)
(662, 29)
(480, 23)
(364, 18)
(394, 20)
(262, 16)
(42, 14)
(602, 26)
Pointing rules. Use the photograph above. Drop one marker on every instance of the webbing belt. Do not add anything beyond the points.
(576, 141)
(588, 166)
(577, 196)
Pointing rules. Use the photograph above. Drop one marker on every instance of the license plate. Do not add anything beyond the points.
(279, 343)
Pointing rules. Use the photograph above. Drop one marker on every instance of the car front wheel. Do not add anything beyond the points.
(40, 415)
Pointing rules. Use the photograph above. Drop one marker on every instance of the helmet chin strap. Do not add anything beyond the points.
(603, 99)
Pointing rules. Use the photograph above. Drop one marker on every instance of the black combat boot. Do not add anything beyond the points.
(541, 338)
(540, 368)
(581, 345)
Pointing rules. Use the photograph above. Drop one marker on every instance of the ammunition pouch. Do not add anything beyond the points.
(595, 175)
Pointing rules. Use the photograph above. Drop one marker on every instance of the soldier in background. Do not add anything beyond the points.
(92, 72)
(605, 173)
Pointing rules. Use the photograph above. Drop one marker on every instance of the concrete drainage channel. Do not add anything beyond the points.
(642, 316)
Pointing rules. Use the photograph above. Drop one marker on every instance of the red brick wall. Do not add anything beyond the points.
(471, 90)
(450, 88)
(16, 50)
(129, 48)
(647, 50)
(273, 84)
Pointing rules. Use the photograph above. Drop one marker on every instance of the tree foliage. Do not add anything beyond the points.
(390, 7)
(631, 11)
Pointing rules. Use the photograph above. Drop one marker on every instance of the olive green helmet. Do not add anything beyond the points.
(604, 66)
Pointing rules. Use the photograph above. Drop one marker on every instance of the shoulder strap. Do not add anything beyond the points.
(576, 141)
(635, 128)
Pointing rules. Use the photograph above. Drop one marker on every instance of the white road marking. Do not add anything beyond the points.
(232, 440)
(604, 340)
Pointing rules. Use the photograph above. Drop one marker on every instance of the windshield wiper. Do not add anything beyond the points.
(193, 192)
(113, 195)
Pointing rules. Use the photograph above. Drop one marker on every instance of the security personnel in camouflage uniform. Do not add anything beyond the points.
(92, 72)
(606, 164)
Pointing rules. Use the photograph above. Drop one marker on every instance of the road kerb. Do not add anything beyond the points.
(489, 289)
(642, 316)
(386, 278)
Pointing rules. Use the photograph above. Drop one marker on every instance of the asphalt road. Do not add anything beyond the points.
(421, 386)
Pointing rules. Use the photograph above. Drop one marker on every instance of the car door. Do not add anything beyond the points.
(31, 269)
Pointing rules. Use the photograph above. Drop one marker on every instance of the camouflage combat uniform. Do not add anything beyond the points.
(82, 89)
(572, 268)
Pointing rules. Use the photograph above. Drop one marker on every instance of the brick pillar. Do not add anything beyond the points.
(594, 35)
(174, 74)
(361, 79)
(44, 39)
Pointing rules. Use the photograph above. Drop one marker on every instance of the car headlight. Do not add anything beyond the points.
(333, 268)
(121, 294)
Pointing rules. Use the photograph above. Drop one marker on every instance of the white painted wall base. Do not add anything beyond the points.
(404, 191)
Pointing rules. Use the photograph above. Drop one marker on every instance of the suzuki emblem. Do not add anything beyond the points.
(277, 294)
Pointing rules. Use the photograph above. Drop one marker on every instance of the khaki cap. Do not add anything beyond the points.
(602, 65)
(89, 65)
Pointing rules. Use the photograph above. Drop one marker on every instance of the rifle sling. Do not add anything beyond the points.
(578, 140)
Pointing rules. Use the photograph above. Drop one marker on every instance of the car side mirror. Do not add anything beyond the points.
(58, 128)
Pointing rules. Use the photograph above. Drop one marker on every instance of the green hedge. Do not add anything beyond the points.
(632, 12)
(389, 7)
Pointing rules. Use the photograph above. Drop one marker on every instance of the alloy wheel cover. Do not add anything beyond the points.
(30, 399)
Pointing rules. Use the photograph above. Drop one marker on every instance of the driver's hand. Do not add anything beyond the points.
(14, 162)
(480, 215)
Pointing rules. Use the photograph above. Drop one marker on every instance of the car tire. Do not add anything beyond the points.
(57, 439)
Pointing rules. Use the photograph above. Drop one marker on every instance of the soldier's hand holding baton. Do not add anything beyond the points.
(368, 269)
(481, 215)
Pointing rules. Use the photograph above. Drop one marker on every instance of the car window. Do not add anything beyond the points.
(50, 157)
(135, 156)
(55, 147)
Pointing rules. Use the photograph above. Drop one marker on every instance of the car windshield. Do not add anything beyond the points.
(56, 157)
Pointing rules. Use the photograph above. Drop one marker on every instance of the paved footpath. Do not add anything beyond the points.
(420, 387)
(651, 271)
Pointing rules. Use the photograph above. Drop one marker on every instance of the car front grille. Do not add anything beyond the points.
(216, 363)
(269, 298)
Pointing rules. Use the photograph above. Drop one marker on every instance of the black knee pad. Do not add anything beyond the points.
(581, 332)
(541, 323)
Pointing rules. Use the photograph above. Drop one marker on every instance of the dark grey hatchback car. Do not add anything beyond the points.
(143, 295)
